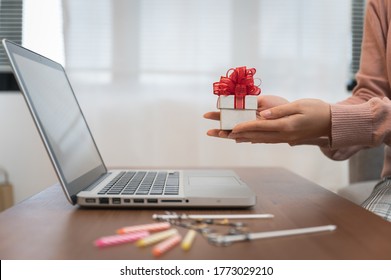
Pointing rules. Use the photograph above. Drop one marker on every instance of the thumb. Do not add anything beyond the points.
(279, 111)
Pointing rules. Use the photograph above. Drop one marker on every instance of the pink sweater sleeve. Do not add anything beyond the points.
(364, 119)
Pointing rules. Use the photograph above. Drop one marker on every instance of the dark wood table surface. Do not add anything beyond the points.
(46, 226)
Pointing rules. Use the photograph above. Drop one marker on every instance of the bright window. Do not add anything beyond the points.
(299, 47)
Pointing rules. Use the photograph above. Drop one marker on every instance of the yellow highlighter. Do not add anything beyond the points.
(188, 240)
(154, 238)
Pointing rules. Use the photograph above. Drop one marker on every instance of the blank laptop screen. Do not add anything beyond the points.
(60, 119)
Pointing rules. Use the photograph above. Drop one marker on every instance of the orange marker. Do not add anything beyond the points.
(166, 245)
(147, 227)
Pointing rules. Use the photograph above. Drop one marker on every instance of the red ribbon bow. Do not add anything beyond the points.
(239, 83)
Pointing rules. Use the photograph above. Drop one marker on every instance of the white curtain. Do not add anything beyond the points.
(300, 47)
(43, 28)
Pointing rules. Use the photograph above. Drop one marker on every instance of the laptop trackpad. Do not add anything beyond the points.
(210, 181)
(214, 187)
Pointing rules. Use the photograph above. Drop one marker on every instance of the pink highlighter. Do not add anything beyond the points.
(120, 239)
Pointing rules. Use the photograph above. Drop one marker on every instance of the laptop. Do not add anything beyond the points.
(79, 166)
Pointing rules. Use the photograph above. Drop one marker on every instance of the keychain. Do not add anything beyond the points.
(203, 223)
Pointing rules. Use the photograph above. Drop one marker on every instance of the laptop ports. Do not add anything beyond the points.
(103, 200)
(152, 200)
(116, 200)
(171, 200)
(90, 200)
(138, 200)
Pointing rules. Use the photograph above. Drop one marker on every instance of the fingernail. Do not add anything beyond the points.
(266, 114)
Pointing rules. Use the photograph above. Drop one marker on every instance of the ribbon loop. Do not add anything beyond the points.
(238, 82)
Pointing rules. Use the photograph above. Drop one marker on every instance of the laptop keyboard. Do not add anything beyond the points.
(143, 183)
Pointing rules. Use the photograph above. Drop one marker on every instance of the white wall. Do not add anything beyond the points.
(21, 151)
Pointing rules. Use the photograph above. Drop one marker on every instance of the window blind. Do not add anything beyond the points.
(10, 26)
(357, 26)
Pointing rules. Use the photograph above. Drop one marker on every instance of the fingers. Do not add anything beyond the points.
(260, 125)
(264, 138)
(261, 131)
(246, 137)
(280, 111)
(270, 101)
(212, 116)
(218, 133)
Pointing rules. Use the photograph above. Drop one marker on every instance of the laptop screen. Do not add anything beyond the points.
(59, 119)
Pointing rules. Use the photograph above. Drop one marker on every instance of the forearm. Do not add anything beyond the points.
(354, 127)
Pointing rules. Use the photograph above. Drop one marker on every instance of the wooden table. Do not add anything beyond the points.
(46, 226)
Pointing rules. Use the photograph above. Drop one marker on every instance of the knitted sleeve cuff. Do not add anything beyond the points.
(351, 125)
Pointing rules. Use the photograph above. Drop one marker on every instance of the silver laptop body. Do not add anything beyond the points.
(78, 163)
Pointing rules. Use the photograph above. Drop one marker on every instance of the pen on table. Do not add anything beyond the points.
(120, 239)
(211, 216)
(156, 237)
(147, 227)
(188, 240)
(228, 239)
(166, 245)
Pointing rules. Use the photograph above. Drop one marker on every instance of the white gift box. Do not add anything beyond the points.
(229, 116)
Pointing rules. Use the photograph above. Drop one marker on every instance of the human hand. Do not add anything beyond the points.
(264, 102)
(289, 123)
